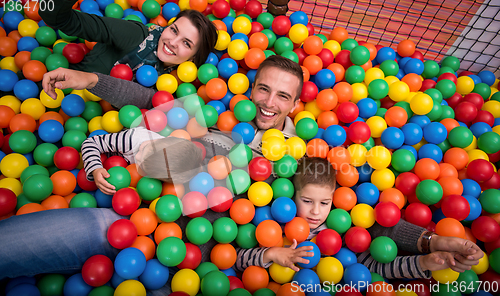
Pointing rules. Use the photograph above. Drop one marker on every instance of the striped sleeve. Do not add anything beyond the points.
(250, 257)
(407, 267)
(93, 147)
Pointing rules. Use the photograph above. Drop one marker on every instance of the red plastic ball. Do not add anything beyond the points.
(454, 100)
(387, 213)
(235, 283)
(485, 229)
(155, 120)
(193, 257)
(491, 246)
(253, 8)
(480, 170)
(448, 76)
(490, 277)
(357, 239)
(492, 183)
(359, 132)
(347, 112)
(85, 184)
(163, 100)
(301, 54)
(73, 53)
(326, 56)
(407, 183)
(220, 199)
(97, 270)
(329, 242)
(419, 214)
(281, 25)
(8, 201)
(455, 206)
(259, 169)
(84, 47)
(126, 201)
(310, 29)
(417, 55)
(194, 204)
(178, 293)
(475, 99)
(66, 158)
(221, 8)
(122, 71)
(465, 73)
(465, 112)
(427, 84)
(485, 116)
(122, 233)
(309, 92)
(237, 5)
(114, 161)
(256, 27)
(343, 58)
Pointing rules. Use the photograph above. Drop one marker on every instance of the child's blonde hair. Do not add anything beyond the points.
(171, 159)
(314, 170)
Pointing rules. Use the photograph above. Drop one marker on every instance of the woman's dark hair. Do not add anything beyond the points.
(208, 34)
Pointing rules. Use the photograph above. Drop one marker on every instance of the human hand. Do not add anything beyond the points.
(63, 78)
(440, 260)
(464, 251)
(288, 256)
(100, 176)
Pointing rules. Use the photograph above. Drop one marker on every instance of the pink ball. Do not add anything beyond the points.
(155, 120)
(455, 206)
(329, 242)
(357, 239)
(97, 270)
(122, 234)
(194, 204)
(480, 170)
(485, 229)
(387, 213)
(419, 214)
(220, 199)
(126, 201)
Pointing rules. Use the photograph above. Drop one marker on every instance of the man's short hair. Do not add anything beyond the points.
(316, 171)
(286, 65)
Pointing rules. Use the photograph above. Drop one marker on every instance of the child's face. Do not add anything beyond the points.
(314, 203)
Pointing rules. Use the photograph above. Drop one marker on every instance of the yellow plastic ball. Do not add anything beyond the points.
(295, 147)
(223, 40)
(260, 194)
(330, 270)
(49, 102)
(496, 129)
(493, 107)
(301, 115)
(238, 83)
(187, 281)
(27, 28)
(33, 107)
(90, 96)
(482, 266)
(313, 108)
(410, 96)
(477, 154)
(377, 125)
(13, 164)
(184, 5)
(12, 184)
(242, 25)
(237, 49)
(167, 82)
(187, 71)
(391, 79)
(9, 63)
(472, 145)
(372, 74)
(12, 102)
(298, 33)
(419, 144)
(60, 41)
(130, 288)
(333, 46)
(465, 85)
(152, 205)
(281, 274)
(95, 124)
(398, 91)
(273, 133)
(273, 148)
(445, 276)
(123, 4)
(81, 93)
(358, 154)
(383, 179)
(359, 91)
(405, 292)
(421, 104)
(378, 157)
(363, 215)
(111, 123)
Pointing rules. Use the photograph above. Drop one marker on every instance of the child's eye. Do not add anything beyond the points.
(306, 201)
(325, 203)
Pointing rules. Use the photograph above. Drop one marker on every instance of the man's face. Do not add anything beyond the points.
(274, 93)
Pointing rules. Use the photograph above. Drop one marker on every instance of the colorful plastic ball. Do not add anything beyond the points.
(130, 263)
(268, 233)
(283, 209)
(155, 275)
(385, 53)
(421, 104)
(13, 164)
(168, 208)
(215, 283)
(242, 133)
(418, 214)
(335, 135)
(37, 188)
(480, 170)
(8, 80)
(73, 105)
(126, 201)
(465, 112)
(146, 75)
(387, 214)
(360, 55)
(358, 276)
(313, 260)
(25, 89)
(122, 71)
(177, 118)
(460, 136)
(429, 192)
(383, 249)
(97, 270)
(8, 201)
(75, 285)
(199, 231)
(122, 233)
(489, 142)
(171, 251)
(119, 177)
(22, 141)
(339, 220)
(435, 133)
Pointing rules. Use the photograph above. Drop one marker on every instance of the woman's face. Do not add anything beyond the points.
(178, 43)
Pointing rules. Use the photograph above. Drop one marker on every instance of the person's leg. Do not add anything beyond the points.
(54, 241)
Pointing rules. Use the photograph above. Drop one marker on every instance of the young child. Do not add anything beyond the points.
(315, 183)
(168, 159)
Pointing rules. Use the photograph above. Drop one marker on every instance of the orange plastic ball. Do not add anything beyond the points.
(242, 211)
(305, 73)
(339, 34)
(15, 36)
(317, 148)
(22, 122)
(216, 88)
(181, 134)
(344, 198)
(396, 116)
(195, 130)
(413, 80)
(159, 20)
(343, 91)
(167, 229)
(339, 157)
(447, 170)
(254, 57)
(22, 58)
(220, 25)
(451, 186)
(347, 176)
(313, 63)
(338, 70)
(146, 245)
(380, 288)
(176, 189)
(313, 45)
(327, 99)
(235, 100)
(290, 289)
(6, 115)
(300, 107)
(199, 5)
(8, 46)
(219, 167)
(144, 220)
(297, 229)
(2, 32)
(469, 235)
(30, 208)
(34, 70)
(227, 121)
(327, 118)
(51, 115)
(427, 168)
(64, 182)
(393, 195)
(223, 256)
(55, 202)
(258, 40)
(268, 233)
(134, 174)
(457, 157)
(406, 48)
(255, 278)
(450, 227)
(372, 49)
(449, 123)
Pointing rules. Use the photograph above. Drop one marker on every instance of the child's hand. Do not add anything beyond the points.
(464, 251)
(99, 179)
(288, 256)
(441, 260)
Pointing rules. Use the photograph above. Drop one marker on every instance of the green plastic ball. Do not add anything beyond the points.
(269, 53)
(212, 17)
(92, 109)
(44, 154)
(133, 17)
(119, 177)
(225, 230)
(166, 131)
(130, 115)
(83, 200)
(460, 136)
(168, 208)
(215, 283)
(271, 37)
(102, 291)
(40, 54)
(52, 169)
(431, 69)
(240, 155)
(149, 188)
(171, 251)
(403, 160)
(359, 55)
(286, 166)
(482, 89)
(265, 19)
(354, 74)
(74, 139)
(22, 200)
(306, 128)
(469, 281)
(282, 187)
(151, 8)
(239, 292)
(46, 36)
(435, 94)
(37, 187)
(444, 146)
(245, 111)
(369, 144)
(290, 55)
(349, 44)
(51, 284)
(445, 69)
(246, 236)
(446, 87)
(113, 10)
(494, 260)
(448, 112)
(377, 277)
(66, 37)
(339, 220)
(429, 192)
(33, 170)
(199, 231)
(283, 44)
(389, 67)
(204, 268)
(58, 48)
(436, 111)
(206, 116)
(495, 96)
(76, 124)
(378, 89)
(383, 249)
(238, 181)
(22, 141)
(193, 104)
(55, 61)
(490, 201)
(184, 90)
(452, 62)
(207, 72)
(381, 112)
(489, 142)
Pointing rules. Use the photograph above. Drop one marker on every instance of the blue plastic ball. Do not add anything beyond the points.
(103, 3)
(116, 280)
(203, 182)
(306, 278)
(228, 21)
(496, 122)
(177, 118)
(240, 36)
(299, 17)
(227, 68)
(437, 216)
(367, 107)
(73, 105)
(25, 89)
(431, 151)
(412, 133)
(24, 289)
(2, 155)
(411, 149)
(146, 75)
(319, 134)
(97, 133)
(75, 285)
(227, 99)
(212, 59)
(141, 16)
(155, 275)
(51, 131)
(218, 105)
(8, 80)
(471, 188)
(346, 257)
(358, 276)
(283, 209)
(367, 193)
(18, 281)
(229, 272)
(130, 263)
(314, 260)
(435, 133)
(262, 214)
(475, 207)
(170, 10)
(27, 43)
(392, 137)
(11, 20)
(385, 53)
(421, 120)
(487, 77)
(325, 78)
(127, 12)
(251, 75)
(480, 128)
(243, 132)
(414, 66)
(89, 5)
(334, 135)
(365, 172)
(476, 79)
(402, 62)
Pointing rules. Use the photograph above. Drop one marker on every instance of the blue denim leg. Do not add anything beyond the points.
(54, 241)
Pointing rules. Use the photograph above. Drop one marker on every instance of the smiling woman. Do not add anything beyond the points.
(190, 37)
